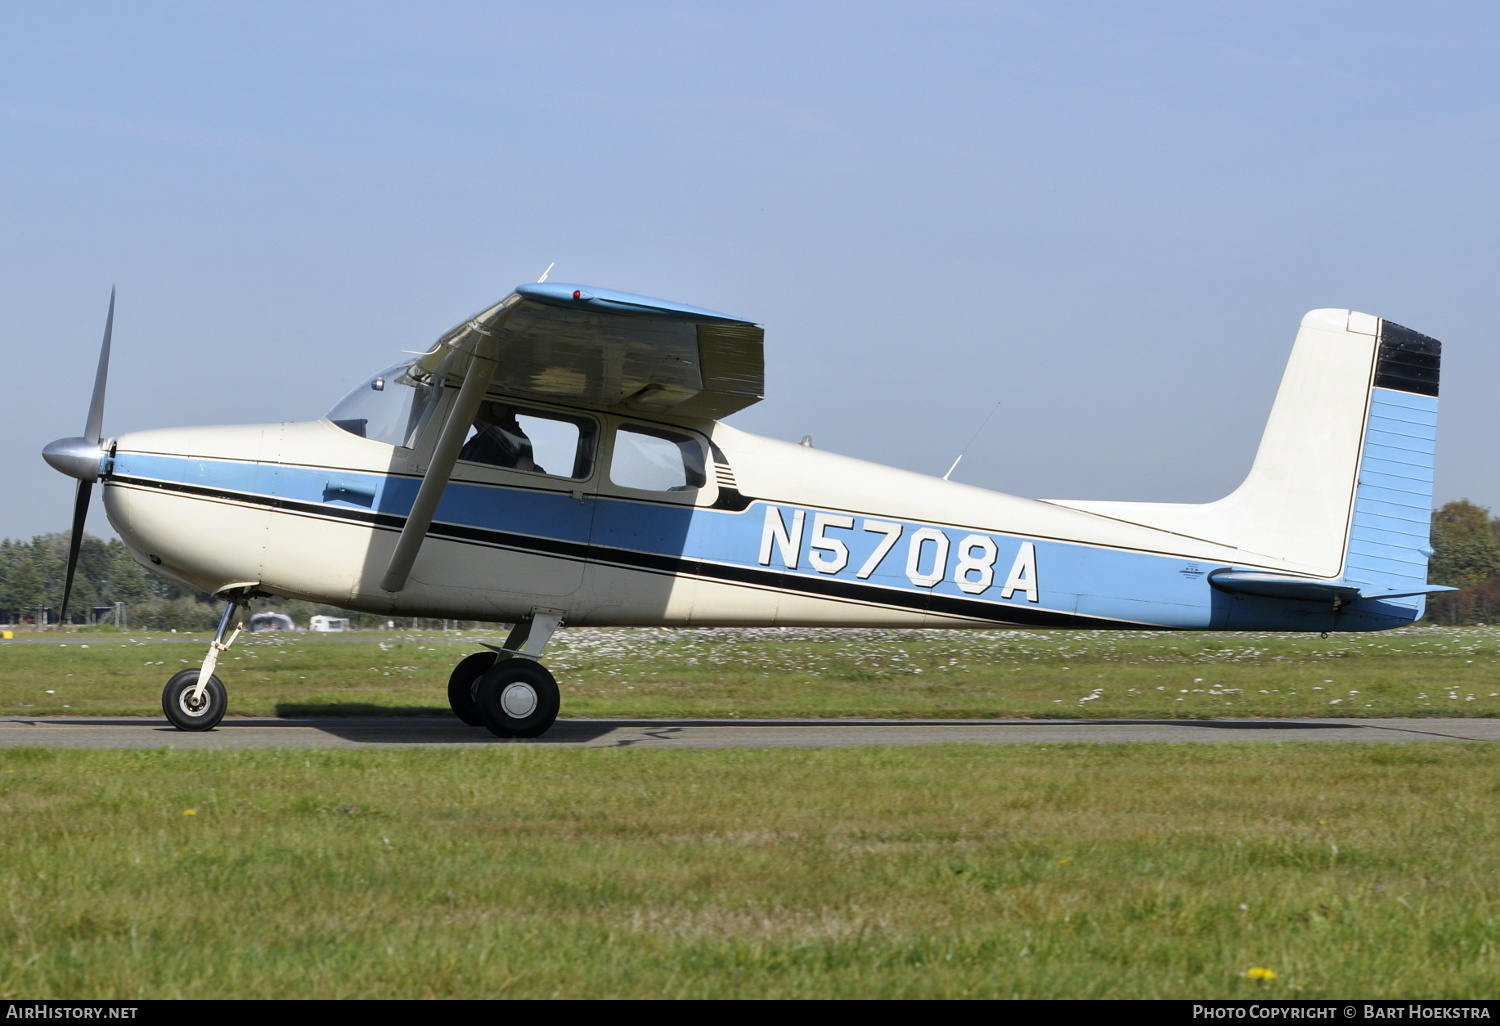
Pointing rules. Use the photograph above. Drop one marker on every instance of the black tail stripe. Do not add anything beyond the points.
(1409, 361)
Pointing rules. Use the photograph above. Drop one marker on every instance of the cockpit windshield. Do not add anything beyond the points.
(391, 407)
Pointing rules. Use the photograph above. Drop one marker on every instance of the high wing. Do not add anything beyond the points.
(615, 351)
(590, 347)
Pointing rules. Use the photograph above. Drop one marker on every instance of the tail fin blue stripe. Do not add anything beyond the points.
(1393, 501)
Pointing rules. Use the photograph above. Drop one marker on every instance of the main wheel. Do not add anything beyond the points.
(185, 714)
(517, 698)
(461, 686)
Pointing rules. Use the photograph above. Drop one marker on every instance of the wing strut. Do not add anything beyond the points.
(470, 395)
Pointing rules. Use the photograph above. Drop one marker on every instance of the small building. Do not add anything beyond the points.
(328, 624)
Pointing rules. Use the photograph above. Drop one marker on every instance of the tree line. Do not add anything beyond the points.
(31, 583)
(1465, 554)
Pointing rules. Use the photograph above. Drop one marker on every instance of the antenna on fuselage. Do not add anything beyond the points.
(546, 272)
(975, 436)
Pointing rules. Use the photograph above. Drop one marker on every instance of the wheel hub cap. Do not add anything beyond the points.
(191, 708)
(518, 700)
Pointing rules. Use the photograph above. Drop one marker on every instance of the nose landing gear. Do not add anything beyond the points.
(195, 699)
(508, 691)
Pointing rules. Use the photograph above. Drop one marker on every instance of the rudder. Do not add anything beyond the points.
(1391, 523)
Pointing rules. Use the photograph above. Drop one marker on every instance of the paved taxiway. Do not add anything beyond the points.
(378, 732)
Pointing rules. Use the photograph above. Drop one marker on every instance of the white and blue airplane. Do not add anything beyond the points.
(561, 457)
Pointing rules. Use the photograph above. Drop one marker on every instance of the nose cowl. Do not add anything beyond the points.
(76, 457)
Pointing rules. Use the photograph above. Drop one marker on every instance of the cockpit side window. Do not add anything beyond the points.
(656, 460)
(538, 441)
(391, 407)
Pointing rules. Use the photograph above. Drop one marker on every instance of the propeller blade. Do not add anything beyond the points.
(96, 406)
(79, 457)
(80, 514)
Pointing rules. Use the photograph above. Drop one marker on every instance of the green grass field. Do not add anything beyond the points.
(954, 871)
(1421, 671)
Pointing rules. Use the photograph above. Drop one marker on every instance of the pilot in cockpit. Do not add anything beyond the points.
(499, 440)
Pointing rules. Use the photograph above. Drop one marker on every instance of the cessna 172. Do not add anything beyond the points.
(560, 457)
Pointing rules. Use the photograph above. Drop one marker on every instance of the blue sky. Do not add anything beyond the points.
(1108, 218)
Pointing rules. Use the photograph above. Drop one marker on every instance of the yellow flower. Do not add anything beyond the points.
(190, 812)
(1064, 862)
(1258, 973)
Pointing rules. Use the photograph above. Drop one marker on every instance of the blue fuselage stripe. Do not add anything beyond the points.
(988, 575)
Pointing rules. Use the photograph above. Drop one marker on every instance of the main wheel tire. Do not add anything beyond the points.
(183, 713)
(517, 698)
(461, 686)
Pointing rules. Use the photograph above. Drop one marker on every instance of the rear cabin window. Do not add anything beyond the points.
(541, 442)
(654, 460)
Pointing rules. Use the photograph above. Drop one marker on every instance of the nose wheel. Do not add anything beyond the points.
(188, 707)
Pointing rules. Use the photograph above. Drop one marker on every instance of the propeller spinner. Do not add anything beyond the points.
(81, 457)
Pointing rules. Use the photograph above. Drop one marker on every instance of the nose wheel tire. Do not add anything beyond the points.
(186, 714)
(517, 698)
(461, 686)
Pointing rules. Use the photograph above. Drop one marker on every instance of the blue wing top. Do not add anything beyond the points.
(589, 297)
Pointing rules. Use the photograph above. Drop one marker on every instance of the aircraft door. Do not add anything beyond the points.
(646, 525)
(517, 512)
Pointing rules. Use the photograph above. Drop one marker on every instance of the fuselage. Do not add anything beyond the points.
(560, 458)
(770, 534)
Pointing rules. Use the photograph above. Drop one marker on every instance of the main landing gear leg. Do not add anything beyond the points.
(509, 691)
(196, 699)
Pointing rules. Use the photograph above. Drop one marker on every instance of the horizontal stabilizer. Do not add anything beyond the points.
(1283, 586)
